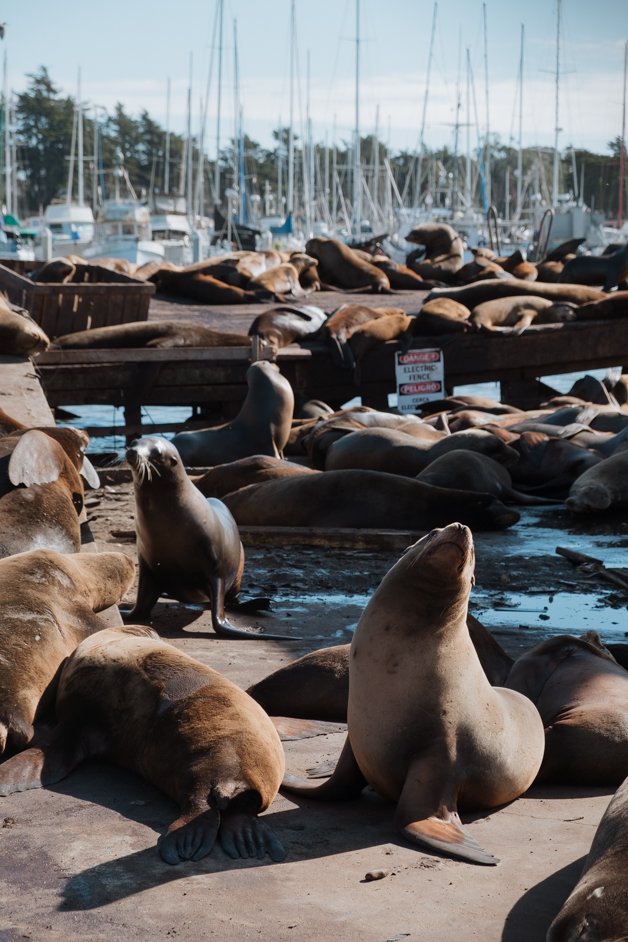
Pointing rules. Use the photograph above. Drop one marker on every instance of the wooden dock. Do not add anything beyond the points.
(213, 380)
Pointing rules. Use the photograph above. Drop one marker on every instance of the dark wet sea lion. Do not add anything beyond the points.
(426, 729)
(369, 499)
(606, 270)
(473, 471)
(601, 487)
(206, 288)
(226, 478)
(48, 603)
(188, 546)
(611, 306)
(191, 732)
(262, 426)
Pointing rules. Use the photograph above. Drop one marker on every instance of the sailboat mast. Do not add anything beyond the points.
(357, 183)
(467, 168)
(290, 203)
(167, 145)
(218, 105)
(70, 186)
(556, 110)
(487, 150)
(419, 173)
(81, 167)
(622, 147)
(520, 153)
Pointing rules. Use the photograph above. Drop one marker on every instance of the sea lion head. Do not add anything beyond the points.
(153, 461)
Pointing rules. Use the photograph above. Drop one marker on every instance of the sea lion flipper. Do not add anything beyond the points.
(44, 764)
(190, 837)
(245, 835)
(148, 592)
(426, 811)
(221, 625)
(346, 780)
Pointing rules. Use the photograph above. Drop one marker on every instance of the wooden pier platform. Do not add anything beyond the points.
(21, 395)
(213, 380)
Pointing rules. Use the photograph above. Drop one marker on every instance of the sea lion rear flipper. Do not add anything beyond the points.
(191, 837)
(426, 811)
(46, 763)
(222, 626)
(346, 780)
(245, 835)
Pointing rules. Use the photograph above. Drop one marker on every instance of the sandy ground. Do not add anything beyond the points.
(79, 860)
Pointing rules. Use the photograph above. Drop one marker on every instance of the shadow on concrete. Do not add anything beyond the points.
(530, 917)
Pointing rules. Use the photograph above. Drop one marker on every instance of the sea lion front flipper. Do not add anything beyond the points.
(427, 815)
(245, 835)
(222, 626)
(346, 780)
(191, 837)
(46, 763)
(148, 592)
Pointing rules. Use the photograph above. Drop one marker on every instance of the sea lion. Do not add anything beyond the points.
(205, 288)
(514, 314)
(19, 334)
(440, 735)
(42, 496)
(381, 330)
(444, 251)
(59, 270)
(473, 471)
(283, 325)
(283, 281)
(151, 334)
(363, 499)
(316, 686)
(182, 726)
(601, 487)
(340, 266)
(346, 319)
(613, 305)
(606, 270)
(226, 478)
(188, 546)
(48, 602)
(582, 696)
(549, 466)
(442, 316)
(401, 277)
(480, 291)
(261, 427)
(596, 910)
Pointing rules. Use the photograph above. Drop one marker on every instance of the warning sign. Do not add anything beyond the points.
(420, 377)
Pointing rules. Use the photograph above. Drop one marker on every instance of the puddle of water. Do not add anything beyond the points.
(554, 613)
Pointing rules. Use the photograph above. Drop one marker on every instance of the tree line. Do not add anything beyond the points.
(44, 121)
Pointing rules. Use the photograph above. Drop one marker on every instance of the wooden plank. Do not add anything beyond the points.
(21, 394)
(170, 354)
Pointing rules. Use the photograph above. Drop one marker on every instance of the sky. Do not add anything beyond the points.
(127, 51)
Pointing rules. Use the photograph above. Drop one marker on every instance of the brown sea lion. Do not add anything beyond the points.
(381, 330)
(316, 686)
(151, 334)
(58, 270)
(440, 735)
(205, 288)
(283, 325)
(369, 499)
(444, 251)
(549, 466)
(188, 546)
(401, 277)
(596, 910)
(261, 427)
(282, 281)
(19, 334)
(349, 317)
(225, 478)
(186, 729)
(442, 316)
(48, 603)
(601, 487)
(339, 265)
(582, 696)
(480, 291)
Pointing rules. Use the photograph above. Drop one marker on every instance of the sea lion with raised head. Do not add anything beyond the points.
(182, 726)
(188, 546)
(48, 604)
(444, 251)
(261, 427)
(425, 727)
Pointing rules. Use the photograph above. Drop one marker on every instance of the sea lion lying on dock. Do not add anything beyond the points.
(340, 266)
(19, 334)
(151, 334)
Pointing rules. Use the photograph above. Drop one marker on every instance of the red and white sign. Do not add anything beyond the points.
(420, 377)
